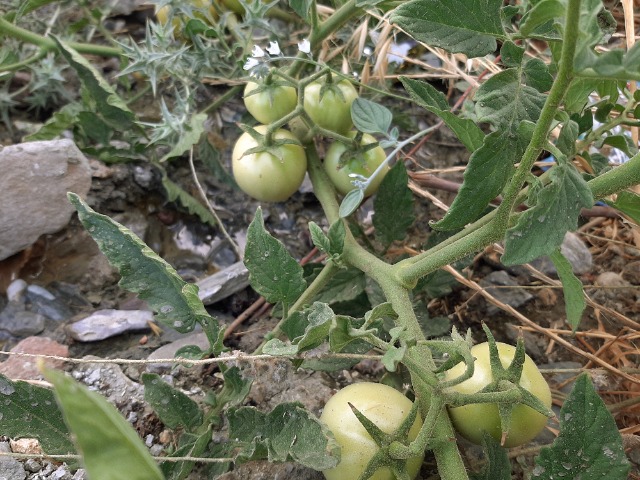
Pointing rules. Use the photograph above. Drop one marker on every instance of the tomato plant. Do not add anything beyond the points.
(271, 175)
(268, 102)
(340, 163)
(473, 419)
(329, 104)
(384, 406)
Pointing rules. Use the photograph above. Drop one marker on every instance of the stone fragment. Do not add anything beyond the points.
(26, 445)
(108, 323)
(36, 177)
(24, 368)
(45, 303)
(19, 322)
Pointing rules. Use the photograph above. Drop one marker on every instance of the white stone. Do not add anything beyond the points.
(108, 323)
(35, 179)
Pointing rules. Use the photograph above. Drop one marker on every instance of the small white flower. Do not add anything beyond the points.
(304, 46)
(250, 63)
(366, 51)
(257, 52)
(273, 49)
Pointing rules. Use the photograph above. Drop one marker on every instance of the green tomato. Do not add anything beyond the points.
(364, 164)
(271, 104)
(472, 420)
(384, 406)
(266, 176)
(332, 111)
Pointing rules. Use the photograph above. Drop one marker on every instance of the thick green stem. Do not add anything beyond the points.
(46, 44)
(624, 176)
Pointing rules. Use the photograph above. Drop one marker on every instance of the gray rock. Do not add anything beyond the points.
(45, 303)
(15, 320)
(32, 465)
(11, 469)
(108, 323)
(513, 296)
(35, 179)
(169, 350)
(16, 290)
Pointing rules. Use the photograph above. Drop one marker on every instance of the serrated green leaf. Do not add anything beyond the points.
(302, 8)
(337, 233)
(504, 102)
(235, 389)
(173, 407)
(29, 411)
(370, 117)
(616, 64)
(286, 433)
(621, 142)
(319, 239)
(320, 319)
(629, 204)
(175, 193)
(488, 171)
(536, 74)
(567, 139)
(589, 446)
(110, 447)
(540, 230)
(435, 102)
(64, 119)
(578, 94)
(273, 273)
(511, 54)
(498, 466)
(94, 128)
(191, 136)
(174, 301)
(542, 13)
(109, 105)
(393, 206)
(595, 24)
(439, 23)
(574, 300)
(278, 348)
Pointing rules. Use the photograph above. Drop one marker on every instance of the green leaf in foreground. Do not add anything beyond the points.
(541, 229)
(370, 117)
(110, 447)
(458, 26)
(434, 101)
(574, 300)
(589, 446)
(28, 411)
(393, 206)
(175, 301)
(287, 433)
(173, 407)
(273, 272)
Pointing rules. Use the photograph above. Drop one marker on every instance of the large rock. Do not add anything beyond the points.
(35, 179)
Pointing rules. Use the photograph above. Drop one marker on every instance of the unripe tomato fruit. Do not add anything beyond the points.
(263, 175)
(271, 104)
(471, 420)
(364, 165)
(384, 406)
(179, 21)
(331, 111)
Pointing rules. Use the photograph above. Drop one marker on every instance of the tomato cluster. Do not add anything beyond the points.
(327, 105)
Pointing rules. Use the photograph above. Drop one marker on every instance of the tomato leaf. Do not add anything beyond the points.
(540, 230)
(173, 407)
(498, 466)
(174, 301)
(435, 102)
(273, 272)
(505, 102)
(31, 412)
(629, 204)
(370, 117)
(589, 445)
(351, 202)
(189, 445)
(302, 8)
(393, 206)
(288, 432)
(574, 300)
(488, 171)
(109, 105)
(540, 16)
(440, 24)
(332, 244)
(110, 447)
